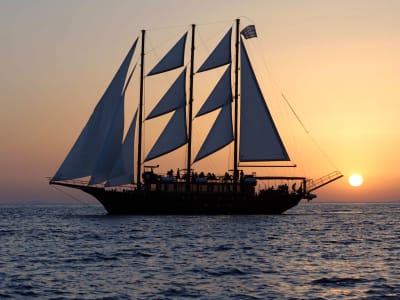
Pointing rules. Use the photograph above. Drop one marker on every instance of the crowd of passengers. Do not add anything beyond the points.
(202, 177)
(284, 188)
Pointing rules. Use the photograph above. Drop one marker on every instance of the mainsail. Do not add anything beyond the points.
(259, 138)
(83, 157)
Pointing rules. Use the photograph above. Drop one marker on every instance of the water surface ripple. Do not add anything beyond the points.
(315, 251)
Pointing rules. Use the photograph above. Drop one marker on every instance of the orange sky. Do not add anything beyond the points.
(337, 62)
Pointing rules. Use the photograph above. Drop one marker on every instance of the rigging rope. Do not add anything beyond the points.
(307, 132)
(70, 195)
(294, 113)
(274, 82)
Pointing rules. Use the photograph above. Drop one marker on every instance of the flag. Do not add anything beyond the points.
(249, 32)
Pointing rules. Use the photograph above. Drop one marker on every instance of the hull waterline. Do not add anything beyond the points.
(191, 203)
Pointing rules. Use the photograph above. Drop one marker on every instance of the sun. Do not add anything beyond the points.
(355, 180)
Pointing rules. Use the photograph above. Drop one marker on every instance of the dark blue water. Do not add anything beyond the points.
(315, 251)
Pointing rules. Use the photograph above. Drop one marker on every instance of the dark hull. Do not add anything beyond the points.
(193, 203)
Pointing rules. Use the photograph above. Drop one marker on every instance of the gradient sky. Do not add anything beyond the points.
(337, 62)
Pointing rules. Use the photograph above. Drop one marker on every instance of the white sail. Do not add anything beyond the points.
(220, 95)
(111, 148)
(173, 59)
(174, 98)
(82, 158)
(173, 136)
(220, 134)
(123, 169)
(259, 138)
(221, 54)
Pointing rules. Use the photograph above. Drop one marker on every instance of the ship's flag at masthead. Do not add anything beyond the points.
(249, 32)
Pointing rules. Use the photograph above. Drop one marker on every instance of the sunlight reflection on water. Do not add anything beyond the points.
(324, 251)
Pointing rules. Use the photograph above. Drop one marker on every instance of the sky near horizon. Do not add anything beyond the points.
(338, 63)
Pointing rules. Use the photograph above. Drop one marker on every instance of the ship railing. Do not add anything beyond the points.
(85, 183)
(77, 182)
(313, 184)
(287, 184)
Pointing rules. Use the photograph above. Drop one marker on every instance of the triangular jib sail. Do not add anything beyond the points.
(108, 154)
(83, 158)
(123, 170)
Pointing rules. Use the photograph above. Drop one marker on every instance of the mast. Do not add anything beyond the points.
(139, 155)
(235, 141)
(190, 112)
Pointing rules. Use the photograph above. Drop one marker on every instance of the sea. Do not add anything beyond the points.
(313, 251)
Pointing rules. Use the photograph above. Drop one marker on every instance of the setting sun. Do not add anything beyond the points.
(355, 180)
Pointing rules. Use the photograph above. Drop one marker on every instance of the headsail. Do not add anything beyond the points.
(123, 169)
(173, 136)
(109, 151)
(173, 59)
(82, 158)
(221, 54)
(220, 134)
(220, 95)
(259, 138)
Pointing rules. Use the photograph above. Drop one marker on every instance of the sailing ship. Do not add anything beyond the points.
(102, 161)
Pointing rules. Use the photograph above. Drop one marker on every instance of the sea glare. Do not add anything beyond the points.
(314, 251)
